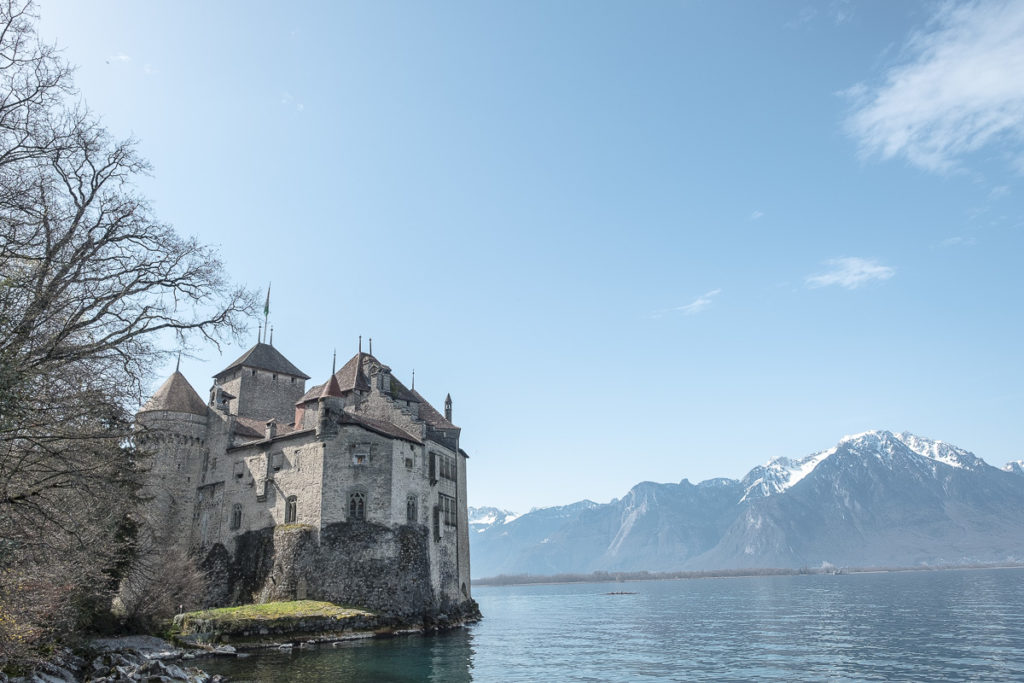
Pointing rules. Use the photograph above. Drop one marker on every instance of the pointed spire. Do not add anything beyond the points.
(360, 343)
(371, 346)
(413, 379)
(448, 407)
(334, 362)
(271, 335)
(177, 366)
(259, 333)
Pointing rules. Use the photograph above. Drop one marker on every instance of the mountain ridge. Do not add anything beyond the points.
(874, 498)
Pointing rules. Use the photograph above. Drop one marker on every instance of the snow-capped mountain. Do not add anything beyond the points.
(485, 517)
(1016, 467)
(875, 498)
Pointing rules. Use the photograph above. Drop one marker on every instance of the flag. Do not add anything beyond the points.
(266, 306)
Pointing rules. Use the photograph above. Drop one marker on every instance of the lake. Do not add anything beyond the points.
(913, 626)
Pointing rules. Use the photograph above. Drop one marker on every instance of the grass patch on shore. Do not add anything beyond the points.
(294, 609)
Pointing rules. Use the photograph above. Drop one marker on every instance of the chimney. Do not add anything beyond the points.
(271, 428)
(448, 407)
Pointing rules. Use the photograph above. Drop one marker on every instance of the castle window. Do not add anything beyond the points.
(446, 504)
(291, 511)
(275, 377)
(449, 469)
(410, 509)
(277, 459)
(361, 455)
(293, 380)
(236, 516)
(253, 373)
(408, 463)
(357, 506)
(433, 468)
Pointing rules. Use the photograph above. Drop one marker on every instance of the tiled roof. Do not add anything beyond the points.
(265, 357)
(331, 388)
(247, 426)
(401, 392)
(257, 429)
(351, 375)
(176, 395)
(429, 415)
(379, 426)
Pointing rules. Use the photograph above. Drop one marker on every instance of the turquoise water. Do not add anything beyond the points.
(909, 626)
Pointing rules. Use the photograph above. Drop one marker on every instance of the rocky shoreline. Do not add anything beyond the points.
(148, 658)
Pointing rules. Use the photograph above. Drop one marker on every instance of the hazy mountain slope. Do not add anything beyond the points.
(876, 498)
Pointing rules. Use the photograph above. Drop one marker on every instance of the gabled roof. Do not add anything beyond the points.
(176, 395)
(351, 375)
(265, 357)
(402, 392)
(379, 426)
(429, 415)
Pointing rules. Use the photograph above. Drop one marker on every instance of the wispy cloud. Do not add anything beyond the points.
(959, 88)
(957, 242)
(698, 304)
(288, 99)
(755, 215)
(850, 272)
(998, 191)
(119, 57)
(837, 11)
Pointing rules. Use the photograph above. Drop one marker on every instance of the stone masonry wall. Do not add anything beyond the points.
(357, 564)
(262, 394)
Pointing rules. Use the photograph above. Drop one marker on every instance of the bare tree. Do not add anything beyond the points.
(92, 286)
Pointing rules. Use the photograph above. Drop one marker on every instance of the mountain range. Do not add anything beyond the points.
(874, 499)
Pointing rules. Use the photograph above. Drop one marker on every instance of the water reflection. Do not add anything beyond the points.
(951, 625)
(406, 659)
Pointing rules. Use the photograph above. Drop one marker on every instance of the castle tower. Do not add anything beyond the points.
(262, 384)
(171, 429)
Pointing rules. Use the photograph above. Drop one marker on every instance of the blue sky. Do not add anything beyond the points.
(635, 241)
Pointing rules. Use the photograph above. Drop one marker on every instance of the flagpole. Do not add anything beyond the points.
(266, 311)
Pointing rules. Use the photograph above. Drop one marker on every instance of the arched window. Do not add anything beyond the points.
(236, 516)
(291, 511)
(410, 509)
(357, 506)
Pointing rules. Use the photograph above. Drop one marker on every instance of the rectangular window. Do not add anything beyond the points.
(448, 467)
(446, 504)
(433, 468)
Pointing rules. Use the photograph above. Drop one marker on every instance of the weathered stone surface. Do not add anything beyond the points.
(360, 501)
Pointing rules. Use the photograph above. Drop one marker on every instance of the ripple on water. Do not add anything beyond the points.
(910, 626)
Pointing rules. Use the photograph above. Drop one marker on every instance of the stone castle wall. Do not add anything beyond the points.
(262, 394)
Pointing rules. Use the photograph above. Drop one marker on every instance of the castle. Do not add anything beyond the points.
(352, 492)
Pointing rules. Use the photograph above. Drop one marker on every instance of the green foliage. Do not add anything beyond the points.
(277, 610)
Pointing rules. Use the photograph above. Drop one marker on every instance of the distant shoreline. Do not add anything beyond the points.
(623, 577)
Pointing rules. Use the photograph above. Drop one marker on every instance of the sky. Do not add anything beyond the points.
(634, 241)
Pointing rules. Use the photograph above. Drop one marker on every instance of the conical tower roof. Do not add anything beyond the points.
(176, 395)
(331, 388)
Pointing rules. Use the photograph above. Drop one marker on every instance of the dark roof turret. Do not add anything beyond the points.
(264, 357)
